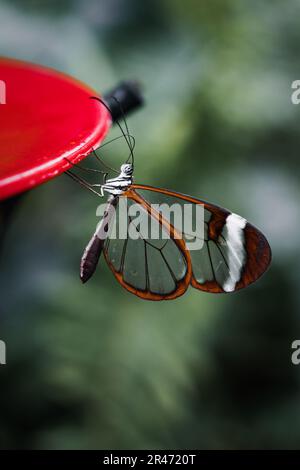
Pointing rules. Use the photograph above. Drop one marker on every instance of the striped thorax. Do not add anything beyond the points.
(120, 184)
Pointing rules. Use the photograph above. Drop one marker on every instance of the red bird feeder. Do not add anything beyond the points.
(47, 117)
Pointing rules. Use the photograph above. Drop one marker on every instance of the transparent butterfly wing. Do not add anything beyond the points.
(154, 267)
(233, 253)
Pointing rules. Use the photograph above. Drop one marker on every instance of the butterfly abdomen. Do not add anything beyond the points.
(90, 258)
(95, 246)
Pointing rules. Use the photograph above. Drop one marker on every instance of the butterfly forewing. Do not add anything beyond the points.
(229, 254)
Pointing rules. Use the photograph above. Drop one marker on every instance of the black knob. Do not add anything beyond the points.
(123, 99)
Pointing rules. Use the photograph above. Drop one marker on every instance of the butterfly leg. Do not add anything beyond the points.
(104, 178)
(100, 186)
(84, 183)
(84, 168)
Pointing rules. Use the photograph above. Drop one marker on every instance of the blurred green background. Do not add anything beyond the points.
(93, 366)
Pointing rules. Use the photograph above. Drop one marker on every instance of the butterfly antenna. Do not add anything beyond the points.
(116, 138)
(130, 144)
(103, 163)
(118, 124)
(109, 142)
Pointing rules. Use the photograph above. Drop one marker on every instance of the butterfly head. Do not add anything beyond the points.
(127, 169)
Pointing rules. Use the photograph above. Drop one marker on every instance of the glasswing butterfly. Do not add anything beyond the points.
(233, 252)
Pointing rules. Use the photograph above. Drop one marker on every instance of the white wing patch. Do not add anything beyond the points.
(233, 233)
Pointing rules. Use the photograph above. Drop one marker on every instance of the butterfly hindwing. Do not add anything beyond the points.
(154, 268)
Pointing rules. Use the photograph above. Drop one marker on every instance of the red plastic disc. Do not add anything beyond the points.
(47, 117)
